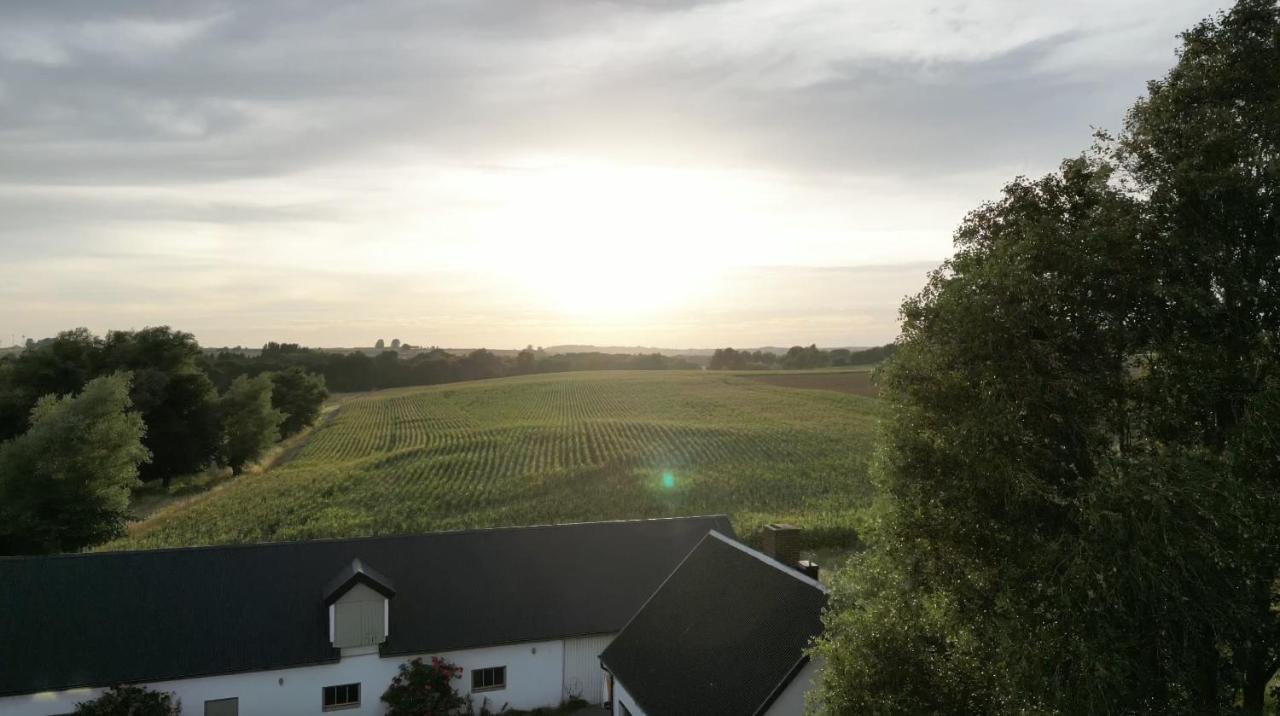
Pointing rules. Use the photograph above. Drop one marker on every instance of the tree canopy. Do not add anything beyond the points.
(65, 483)
(298, 395)
(1078, 474)
(250, 425)
(174, 396)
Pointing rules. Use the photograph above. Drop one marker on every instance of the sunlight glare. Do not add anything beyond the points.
(609, 242)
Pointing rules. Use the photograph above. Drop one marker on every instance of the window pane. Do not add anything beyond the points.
(341, 695)
(222, 707)
(493, 677)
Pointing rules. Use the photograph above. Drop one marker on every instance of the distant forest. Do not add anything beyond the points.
(401, 366)
(798, 358)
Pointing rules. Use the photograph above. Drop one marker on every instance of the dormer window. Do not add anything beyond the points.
(359, 602)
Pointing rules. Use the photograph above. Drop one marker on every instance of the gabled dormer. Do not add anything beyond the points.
(359, 602)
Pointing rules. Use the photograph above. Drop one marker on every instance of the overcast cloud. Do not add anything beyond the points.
(466, 173)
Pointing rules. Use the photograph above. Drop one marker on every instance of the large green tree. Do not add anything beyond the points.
(65, 483)
(250, 425)
(176, 398)
(299, 395)
(1079, 480)
(56, 366)
(174, 395)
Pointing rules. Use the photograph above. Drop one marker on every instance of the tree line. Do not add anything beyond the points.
(797, 358)
(84, 419)
(358, 371)
(1079, 475)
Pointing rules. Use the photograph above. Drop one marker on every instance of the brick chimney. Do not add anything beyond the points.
(782, 542)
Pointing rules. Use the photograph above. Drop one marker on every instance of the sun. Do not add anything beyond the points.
(607, 242)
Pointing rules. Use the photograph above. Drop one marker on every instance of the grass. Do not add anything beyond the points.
(554, 448)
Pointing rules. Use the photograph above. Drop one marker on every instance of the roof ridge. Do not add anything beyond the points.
(361, 538)
(652, 596)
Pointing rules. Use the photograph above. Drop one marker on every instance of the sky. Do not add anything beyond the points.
(471, 173)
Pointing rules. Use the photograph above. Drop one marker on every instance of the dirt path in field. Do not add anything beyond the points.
(856, 382)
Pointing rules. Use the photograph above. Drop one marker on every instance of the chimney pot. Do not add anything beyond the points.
(810, 568)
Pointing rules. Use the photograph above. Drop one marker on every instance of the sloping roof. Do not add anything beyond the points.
(724, 634)
(357, 573)
(100, 619)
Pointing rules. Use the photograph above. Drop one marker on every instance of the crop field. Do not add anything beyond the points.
(857, 382)
(557, 448)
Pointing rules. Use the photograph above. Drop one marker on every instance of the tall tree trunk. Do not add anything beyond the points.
(1255, 685)
(1205, 692)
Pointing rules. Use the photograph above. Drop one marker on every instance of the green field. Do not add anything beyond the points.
(555, 448)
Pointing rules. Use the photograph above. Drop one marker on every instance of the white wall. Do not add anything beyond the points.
(535, 673)
(791, 701)
(620, 696)
(583, 676)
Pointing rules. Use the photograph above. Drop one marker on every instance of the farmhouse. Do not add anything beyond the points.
(315, 626)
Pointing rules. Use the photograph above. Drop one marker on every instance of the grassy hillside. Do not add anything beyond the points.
(552, 448)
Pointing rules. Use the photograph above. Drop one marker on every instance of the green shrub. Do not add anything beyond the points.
(131, 701)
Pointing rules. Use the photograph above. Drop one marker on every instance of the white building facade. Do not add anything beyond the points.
(536, 674)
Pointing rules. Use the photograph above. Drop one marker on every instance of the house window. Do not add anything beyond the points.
(494, 677)
(343, 696)
(222, 707)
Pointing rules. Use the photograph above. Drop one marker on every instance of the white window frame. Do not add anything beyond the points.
(345, 704)
(494, 687)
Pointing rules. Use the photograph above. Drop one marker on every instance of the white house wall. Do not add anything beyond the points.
(535, 675)
(621, 698)
(583, 676)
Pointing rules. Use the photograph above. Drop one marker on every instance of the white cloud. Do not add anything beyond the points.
(253, 170)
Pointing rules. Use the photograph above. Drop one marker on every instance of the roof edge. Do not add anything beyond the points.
(363, 538)
(198, 675)
(782, 685)
(790, 571)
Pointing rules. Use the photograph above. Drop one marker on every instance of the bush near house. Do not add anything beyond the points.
(422, 689)
(131, 701)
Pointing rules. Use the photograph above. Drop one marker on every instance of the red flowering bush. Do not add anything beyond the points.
(422, 689)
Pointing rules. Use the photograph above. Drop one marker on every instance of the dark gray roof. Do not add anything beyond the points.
(100, 619)
(723, 635)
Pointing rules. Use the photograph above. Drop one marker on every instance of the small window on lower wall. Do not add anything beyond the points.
(343, 696)
(222, 707)
(494, 677)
